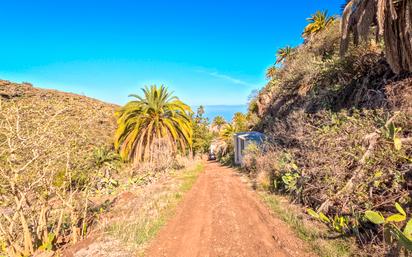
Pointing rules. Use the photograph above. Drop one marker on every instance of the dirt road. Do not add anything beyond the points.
(221, 216)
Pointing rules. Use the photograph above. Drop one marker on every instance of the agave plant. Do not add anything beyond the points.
(394, 24)
(317, 22)
(155, 117)
(283, 53)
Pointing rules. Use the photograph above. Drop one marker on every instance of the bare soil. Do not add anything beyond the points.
(222, 216)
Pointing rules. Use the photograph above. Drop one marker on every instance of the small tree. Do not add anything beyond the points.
(202, 137)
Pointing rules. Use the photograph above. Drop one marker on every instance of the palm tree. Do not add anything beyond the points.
(394, 19)
(225, 139)
(317, 22)
(271, 72)
(283, 53)
(218, 122)
(155, 117)
(200, 111)
(227, 132)
(239, 122)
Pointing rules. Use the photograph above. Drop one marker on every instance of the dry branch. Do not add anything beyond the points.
(372, 140)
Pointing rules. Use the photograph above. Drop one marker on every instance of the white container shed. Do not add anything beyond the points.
(242, 140)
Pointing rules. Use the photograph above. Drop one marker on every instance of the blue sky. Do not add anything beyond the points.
(207, 52)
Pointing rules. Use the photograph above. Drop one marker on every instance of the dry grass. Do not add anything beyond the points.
(48, 165)
(314, 233)
(146, 213)
(60, 179)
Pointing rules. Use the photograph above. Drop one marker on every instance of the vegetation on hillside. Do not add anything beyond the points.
(53, 146)
(339, 133)
(59, 172)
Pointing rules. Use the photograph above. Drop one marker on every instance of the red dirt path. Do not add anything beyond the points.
(221, 216)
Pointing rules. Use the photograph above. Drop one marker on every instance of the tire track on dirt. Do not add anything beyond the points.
(221, 216)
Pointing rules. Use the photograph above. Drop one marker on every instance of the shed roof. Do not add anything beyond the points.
(252, 135)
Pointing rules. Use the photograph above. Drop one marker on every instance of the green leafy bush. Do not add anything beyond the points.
(392, 232)
(338, 223)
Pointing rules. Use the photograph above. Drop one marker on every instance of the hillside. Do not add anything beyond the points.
(73, 124)
(339, 135)
(64, 128)
(64, 191)
(52, 145)
(80, 108)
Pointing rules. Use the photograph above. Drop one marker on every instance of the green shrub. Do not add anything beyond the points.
(393, 235)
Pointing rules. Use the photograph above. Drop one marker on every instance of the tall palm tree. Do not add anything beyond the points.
(394, 20)
(283, 53)
(218, 122)
(317, 22)
(155, 117)
(271, 72)
(227, 132)
(225, 139)
(200, 111)
(239, 122)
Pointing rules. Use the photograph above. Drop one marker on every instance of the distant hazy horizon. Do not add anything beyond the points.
(227, 111)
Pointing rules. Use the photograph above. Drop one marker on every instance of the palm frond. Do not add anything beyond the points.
(317, 22)
(154, 116)
(283, 53)
(394, 21)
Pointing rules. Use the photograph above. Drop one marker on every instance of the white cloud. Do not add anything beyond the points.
(226, 77)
